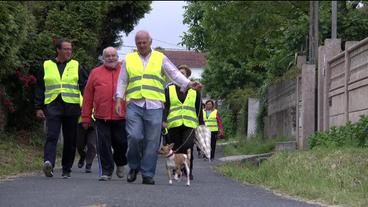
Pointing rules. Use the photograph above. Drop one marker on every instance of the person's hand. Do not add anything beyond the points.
(164, 124)
(195, 85)
(40, 114)
(221, 135)
(118, 106)
(85, 125)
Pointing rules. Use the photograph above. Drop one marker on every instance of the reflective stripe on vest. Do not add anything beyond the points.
(67, 85)
(182, 113)
(211, 121)
(145, 83)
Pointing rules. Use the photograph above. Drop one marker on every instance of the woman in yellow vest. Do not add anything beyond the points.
(213, 122)
(182, 115)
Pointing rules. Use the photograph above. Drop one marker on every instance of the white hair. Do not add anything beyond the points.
(109, 48)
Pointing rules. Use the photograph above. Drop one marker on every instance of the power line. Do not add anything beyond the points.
(129, 46)
(169, 43)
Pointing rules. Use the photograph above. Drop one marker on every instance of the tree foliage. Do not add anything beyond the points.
(15, 24)
(249, 42)
(91, 25)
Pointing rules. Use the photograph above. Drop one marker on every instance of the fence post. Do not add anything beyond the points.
(308, 103)
(331, 48)
(253, 109)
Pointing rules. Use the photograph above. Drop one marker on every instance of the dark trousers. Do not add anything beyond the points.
(69, 128)
(86, 144)
(213, 144)
(183, 139)
(111, 133)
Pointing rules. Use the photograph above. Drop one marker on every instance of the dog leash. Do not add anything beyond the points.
(177, 149)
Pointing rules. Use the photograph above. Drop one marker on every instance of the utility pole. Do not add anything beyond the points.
(333, 19)
(313, 32)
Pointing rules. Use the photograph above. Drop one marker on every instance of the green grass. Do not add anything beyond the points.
(221, 141)
(332, 176)
(20, 152)
(252, 145)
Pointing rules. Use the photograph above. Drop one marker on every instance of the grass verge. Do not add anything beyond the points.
(251, 145)
(331, 176)
(20, 152)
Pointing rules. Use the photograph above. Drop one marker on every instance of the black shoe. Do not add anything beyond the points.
(148, 181)
(88, 168)
(65, 175)
(132, 175)
(81, 162)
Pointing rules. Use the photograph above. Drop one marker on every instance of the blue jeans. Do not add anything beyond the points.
(143, 127)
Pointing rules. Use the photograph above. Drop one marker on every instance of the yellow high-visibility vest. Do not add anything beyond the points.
(211, 121)
(67, 85)
(145, 83)
(182, 113)
(81, 104)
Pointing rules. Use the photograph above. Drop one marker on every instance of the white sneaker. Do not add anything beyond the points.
(47, 169)
(120, 171)
(104, 178)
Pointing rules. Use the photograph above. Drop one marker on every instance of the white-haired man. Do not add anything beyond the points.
(141, 82)
(110, 127)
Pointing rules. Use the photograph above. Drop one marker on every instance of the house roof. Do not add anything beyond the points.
(190, 58)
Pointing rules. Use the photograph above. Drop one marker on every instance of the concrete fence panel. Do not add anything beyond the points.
(346, 81)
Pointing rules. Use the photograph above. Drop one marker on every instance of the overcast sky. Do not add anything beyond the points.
(164, 23)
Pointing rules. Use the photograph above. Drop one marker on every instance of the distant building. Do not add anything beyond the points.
(194, 60)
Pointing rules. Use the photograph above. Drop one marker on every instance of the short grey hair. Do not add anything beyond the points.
(145, 33)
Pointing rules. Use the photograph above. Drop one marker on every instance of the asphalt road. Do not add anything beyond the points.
(207, 189)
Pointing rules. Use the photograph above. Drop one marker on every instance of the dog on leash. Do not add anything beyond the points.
(175, 161)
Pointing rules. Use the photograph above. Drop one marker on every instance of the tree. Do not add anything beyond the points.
(121, 16)
(249, 42)
(240, 39)
(15, 24)
(91, 25)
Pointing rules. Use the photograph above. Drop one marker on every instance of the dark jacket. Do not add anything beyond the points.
(58, 106)
(181, 97)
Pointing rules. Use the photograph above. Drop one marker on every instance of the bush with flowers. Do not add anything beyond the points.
(16, 92)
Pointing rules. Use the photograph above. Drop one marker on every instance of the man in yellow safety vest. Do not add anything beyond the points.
(57, 99)
(141, 82)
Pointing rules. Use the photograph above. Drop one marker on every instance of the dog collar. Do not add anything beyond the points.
(171, 153)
